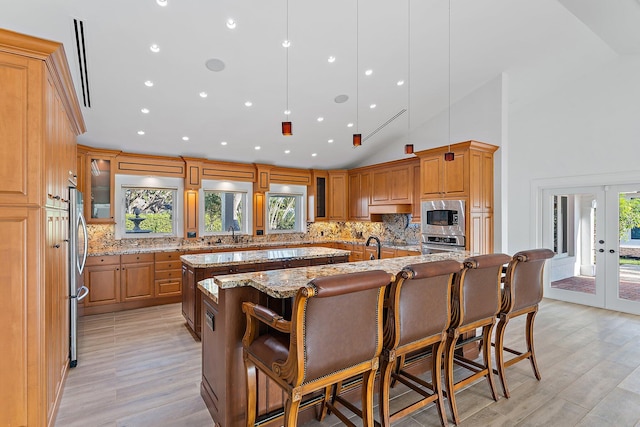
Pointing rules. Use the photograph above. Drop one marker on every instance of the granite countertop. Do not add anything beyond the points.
(257, 257)
(285, 283)
(231, 247)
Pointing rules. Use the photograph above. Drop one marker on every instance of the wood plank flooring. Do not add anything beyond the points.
(142, 368)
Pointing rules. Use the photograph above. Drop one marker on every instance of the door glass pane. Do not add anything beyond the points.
(629, 250)
(100, 188)
(574, 242)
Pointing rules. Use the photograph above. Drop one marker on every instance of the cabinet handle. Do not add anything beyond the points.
(57, 245)
(57, 197)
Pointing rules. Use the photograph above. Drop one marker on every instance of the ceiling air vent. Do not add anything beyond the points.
(82, 61)
(382, 126)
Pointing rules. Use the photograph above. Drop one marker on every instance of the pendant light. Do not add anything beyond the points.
(357, 137)
(449, 156)
(408, 148)
(286, 125)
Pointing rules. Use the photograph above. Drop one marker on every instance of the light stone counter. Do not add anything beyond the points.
(218, 259)
(285, 283)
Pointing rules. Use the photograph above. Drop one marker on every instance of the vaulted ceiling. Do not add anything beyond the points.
(441, 51)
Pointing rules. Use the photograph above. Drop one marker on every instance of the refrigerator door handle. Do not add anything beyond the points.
(86, 244)
(82, 292)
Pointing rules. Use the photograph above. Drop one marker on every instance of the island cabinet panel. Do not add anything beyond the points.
(189, 296)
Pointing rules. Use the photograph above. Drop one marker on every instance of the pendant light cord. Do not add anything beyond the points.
(449, 72)
(287, 71)
(357, 68)
(409, 71)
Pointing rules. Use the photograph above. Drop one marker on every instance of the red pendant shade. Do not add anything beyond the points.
(408, 149)
(286, 129)
(357, 139)
(449, 156)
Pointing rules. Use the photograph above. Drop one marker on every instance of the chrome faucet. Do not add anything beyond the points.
(233, 233)
(377, 244)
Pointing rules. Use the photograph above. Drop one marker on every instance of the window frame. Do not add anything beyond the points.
(227, 186)
(122, 182)
(298, 191)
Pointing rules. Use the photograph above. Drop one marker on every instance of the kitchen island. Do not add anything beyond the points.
(223, 377)
(198, 267)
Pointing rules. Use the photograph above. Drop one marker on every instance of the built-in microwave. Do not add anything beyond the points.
(443, 217)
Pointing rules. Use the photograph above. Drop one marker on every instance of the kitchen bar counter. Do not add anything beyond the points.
(285, 283)
(223, 386)
(218, 259)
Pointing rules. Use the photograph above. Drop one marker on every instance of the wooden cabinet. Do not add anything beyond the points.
(99, 183)
(415, 206)
(318, 196)
(359, 196)
(393, 185)
(468, 177)
(168, 274)
(137, 277)
(102, 277)
(338, 193)
(40, 121)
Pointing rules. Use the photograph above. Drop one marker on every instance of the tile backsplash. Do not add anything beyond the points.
(396, 229)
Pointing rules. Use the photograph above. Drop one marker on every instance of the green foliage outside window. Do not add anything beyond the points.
(282, 212)
(154, 206)
(222, 210)
(629, 215)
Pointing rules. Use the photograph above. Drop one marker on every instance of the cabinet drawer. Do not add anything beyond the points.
(168, 265)
(168, 256)
(132, 258)
(168, 274)
(103, 260)
(168, 287)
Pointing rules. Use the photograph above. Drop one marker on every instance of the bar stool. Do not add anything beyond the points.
(418, 315)
(475, 304)
(521, 295)
(335, 333)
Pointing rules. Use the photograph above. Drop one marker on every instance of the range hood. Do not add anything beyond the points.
(399, 208)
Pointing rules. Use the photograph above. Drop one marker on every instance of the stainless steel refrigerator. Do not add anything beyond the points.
(78, 245)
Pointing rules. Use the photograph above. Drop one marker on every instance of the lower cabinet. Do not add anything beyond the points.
(102, 277)
(136, 277)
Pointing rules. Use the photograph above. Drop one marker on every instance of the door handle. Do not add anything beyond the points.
(601, 241)
(611, 251)
(600, 250)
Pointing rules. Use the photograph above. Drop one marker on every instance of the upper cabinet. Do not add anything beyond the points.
(392, 185)
(317, 194)
(359, 195)
(98, 183)
(338, 195)
(442, 178)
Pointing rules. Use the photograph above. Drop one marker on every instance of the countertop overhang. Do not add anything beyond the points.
(219, 259)
(285, 283)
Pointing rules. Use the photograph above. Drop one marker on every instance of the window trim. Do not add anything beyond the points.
(229, 186)
(140, 181)
(299, 191)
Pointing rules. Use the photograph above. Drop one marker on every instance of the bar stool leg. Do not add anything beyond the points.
(532, 354)
(486, 353)
(452, 338)
(291, 412)
(502, 326)
(251, 392)
(386, 368)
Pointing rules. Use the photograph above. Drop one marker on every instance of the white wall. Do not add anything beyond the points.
(589, 127)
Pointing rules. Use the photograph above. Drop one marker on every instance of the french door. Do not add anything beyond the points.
(591, 230)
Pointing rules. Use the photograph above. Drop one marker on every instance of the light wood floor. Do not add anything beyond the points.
(142, 368)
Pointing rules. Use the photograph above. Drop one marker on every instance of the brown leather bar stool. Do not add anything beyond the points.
(521, 295)
(335, 333)
(418, 316)
(475, 304)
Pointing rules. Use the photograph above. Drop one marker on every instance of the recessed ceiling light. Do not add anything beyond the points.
(400, 82)
(215, 64)
(154, 48)
(248, 104)
(257, 147)
(185, 138)
(145, 110)
(330, 141)
(287, 151)
(368, 72)
(314, 154)
(372, 106)
(140, 132)
(231, 23)
(332, 59)
(349, 125)
(148, 83)
(223, 143)
(162, 3)
(341, 99)
(203, 94)
(286, 43)
(320, 119)
(287, 112)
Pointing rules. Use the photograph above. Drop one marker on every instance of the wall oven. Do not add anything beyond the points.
(443, 225)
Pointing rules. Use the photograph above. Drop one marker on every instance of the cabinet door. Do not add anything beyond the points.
(213, 373)
(380, 187)
(338, 196)
(321, 191)
(415, 206)
(359, 196)
(480, 233)
(456, 181)
(137, 281)
(103, 282)
(169, 287)
(100, 182)
(400, 185)
(431, 176)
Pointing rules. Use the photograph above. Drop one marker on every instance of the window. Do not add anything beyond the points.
(225, 205)
(286, 209)
(148, 207)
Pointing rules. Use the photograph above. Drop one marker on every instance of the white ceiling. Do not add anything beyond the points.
(539, 44)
